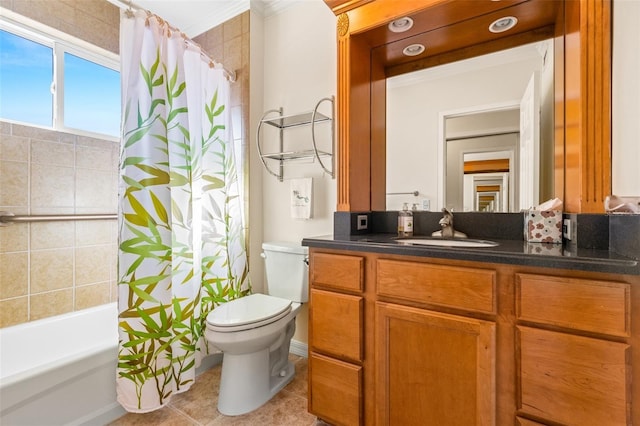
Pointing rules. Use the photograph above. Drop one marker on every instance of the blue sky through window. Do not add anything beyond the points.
(91, 96)
(26, 73)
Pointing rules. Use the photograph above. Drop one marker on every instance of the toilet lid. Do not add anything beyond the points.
(248, 312)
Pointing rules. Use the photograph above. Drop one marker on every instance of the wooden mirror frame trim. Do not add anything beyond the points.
(582, 146)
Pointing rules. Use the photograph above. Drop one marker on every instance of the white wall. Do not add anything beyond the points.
(626, 98)
(299, 69)
(413, 118)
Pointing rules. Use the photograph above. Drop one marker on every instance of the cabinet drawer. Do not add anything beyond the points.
(573, 380)
(336, 324)
(588, 305)
(335, 392)
(464, 288)
(337, 271)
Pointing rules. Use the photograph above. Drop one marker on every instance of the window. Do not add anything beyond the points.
(52, 82)
(26, 74)
(91, 96)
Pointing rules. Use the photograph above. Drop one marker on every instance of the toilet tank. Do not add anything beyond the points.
(287, 270)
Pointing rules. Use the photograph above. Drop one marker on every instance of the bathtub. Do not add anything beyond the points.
(60, 370)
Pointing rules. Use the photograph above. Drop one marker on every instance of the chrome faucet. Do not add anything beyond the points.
(446, 223)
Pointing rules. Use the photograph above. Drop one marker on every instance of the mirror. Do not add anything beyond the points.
(474, 135)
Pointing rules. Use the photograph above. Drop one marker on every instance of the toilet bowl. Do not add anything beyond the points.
(255, 331)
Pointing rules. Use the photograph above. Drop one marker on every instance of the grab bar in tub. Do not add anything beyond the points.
(6, 218)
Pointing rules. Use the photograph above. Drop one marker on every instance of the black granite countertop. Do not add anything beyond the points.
(512, 252)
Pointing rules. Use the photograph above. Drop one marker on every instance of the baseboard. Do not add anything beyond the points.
(299, 348)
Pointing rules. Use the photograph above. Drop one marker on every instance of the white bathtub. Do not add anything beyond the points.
(60, 370)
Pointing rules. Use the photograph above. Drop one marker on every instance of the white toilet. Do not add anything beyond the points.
(254, 332)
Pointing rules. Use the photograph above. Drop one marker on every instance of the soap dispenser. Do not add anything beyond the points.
(405, 222)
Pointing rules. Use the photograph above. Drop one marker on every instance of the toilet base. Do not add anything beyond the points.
(245, 382)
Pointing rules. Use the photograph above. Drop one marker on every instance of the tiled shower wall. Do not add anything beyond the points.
(49, 268)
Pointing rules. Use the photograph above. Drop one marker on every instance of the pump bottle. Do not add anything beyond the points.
(405, 222)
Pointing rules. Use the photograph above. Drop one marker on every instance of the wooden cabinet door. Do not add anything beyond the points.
(433, 368)
(335, 390)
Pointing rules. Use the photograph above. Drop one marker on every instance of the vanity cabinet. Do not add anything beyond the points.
(410, 340)
(574, 362)
(336, 326)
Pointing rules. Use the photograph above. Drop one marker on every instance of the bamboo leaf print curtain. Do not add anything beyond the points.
(181, 244)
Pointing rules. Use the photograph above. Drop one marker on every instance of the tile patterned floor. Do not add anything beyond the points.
(197, 406)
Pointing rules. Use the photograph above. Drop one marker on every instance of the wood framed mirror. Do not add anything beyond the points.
(369, 52)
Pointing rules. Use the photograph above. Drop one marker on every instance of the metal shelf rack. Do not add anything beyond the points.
(283, 122)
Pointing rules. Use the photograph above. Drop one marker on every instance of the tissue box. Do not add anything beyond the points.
(543, 226)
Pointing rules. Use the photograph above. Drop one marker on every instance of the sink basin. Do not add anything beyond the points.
(442, 242)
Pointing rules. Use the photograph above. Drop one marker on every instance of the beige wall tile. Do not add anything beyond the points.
(114, 231)
(92, 232)
(14, 148)
(51, 186)
(232, 28)
(93, 264)
(15, 178)
(114, 291)
(34, 133)
(95, 189)
(52, 153)
(51, 270)
(49, 304)
(5, 128)
(48, 235)
(14, 237)
(14, 311)
(115, 158)
(92, 158)
(92, 295)
(14, 273)
(71, 18)
(39, 210)
(90, 142)
(246, 23)
(114, 262)
(233, 53)
(69, 138)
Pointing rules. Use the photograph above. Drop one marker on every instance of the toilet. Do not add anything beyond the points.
(254, 332)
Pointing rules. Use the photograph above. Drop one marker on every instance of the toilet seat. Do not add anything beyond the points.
(248, 312)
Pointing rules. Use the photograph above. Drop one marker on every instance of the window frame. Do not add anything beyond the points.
(60, 43)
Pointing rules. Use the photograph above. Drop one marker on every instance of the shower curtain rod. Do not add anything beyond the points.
(6, 218)
(130, 6)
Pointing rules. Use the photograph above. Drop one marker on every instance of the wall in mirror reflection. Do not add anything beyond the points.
(419, 104)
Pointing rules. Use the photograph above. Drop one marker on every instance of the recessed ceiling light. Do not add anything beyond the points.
(503, 24)
(401, 25)
(413, 50)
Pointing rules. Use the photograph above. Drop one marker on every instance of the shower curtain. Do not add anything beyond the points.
(181, 244)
